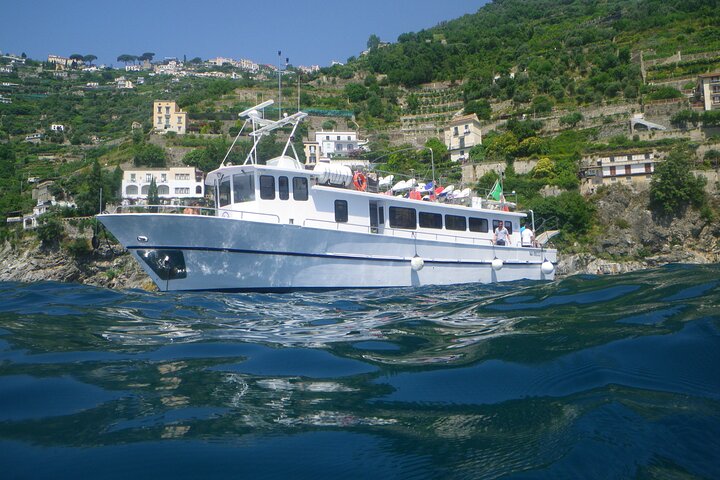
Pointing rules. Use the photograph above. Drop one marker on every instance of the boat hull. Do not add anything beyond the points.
(186, 252)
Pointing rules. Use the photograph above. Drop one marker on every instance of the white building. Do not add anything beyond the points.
(124, 83)
(310, 69)
(172, 183)
(56, 127)
(248, 65)
(172, 67)
(461, 135)
(333, 144)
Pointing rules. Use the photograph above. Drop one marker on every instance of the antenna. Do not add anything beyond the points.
(279, 88)
(259, 106)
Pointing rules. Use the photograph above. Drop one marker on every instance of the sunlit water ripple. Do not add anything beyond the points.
(587, 377)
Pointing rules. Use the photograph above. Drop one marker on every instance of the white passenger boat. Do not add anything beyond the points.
(279, 226)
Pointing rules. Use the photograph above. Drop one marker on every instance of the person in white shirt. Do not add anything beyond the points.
(527, 237)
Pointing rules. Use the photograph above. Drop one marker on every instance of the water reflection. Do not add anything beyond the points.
(467, 381)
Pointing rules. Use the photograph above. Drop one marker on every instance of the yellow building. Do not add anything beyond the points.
(461, 135)
(167, 117)
(709, 89)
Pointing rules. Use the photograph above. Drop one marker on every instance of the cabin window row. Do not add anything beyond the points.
(408, 218)
(243, 188)
(267, 188)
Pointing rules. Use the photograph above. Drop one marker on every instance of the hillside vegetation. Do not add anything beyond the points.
(571, 50)
(533, 71)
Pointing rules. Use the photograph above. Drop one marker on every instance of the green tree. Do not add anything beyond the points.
(375, 106)
(356, 92)
(413, 103)
(571, 119)
(574, 213)
(50, 230)
(477, 153)
(673, 187)
(545, 168)
(89, 59)
(683, 117)
(481, 108)
(373, 42)
(542, 104)
(149, 155)
(126, 58)
(153, 197)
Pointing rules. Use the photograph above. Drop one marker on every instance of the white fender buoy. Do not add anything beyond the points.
(497, 264)
(547, 267)
(417, 263)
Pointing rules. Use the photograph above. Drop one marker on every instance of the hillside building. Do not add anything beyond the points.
(634, 168)
(167, 117)
(709, 90)
(124, 83)
(461, 134)
(334, 144)
(173, 183)
(62, 63)
(312, 152)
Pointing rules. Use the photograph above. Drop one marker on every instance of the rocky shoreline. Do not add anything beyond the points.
(108, 267)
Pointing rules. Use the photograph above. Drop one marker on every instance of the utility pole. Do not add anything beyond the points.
(297, 72)
(279, 88)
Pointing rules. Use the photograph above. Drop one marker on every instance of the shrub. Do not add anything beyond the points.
(673, 187)
(50, 230)
(78, 247)
(571, 119)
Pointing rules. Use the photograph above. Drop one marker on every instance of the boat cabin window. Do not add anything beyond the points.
(478, 224)
(403, 218)
(243, 187)
(455, 222)
(508, 225)
(283, 188)
(381, 216)
(430, 220)
(224, 192)
(341, 211)
(300, 188)
(267, 187)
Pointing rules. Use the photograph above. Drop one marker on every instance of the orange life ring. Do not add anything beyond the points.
(360, 181)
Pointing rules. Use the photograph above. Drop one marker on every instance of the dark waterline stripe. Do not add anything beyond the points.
(324, 255)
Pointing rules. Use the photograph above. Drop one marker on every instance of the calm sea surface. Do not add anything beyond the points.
(587, 377)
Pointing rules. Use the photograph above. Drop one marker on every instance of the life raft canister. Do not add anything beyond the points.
(360, 181)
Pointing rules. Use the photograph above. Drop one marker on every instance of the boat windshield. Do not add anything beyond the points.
(243, 187)
(224, 192)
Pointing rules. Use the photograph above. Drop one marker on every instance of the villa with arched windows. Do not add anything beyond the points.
(172, 183)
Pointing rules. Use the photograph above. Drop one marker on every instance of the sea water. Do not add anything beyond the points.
(585, 377)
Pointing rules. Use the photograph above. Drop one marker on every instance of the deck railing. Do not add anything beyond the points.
(197, 210)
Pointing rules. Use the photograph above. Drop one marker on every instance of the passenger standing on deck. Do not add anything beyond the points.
(527, 236)
(501, 235)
